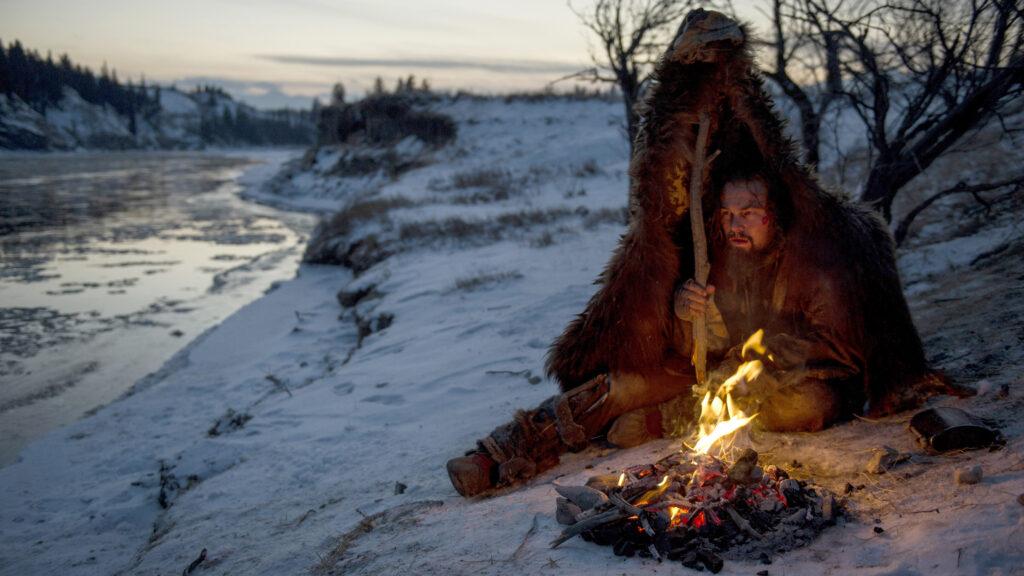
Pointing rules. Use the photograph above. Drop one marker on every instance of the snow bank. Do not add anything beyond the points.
(341, 467)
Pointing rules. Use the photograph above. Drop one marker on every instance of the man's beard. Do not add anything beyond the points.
(743, 265)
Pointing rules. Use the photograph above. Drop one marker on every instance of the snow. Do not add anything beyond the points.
(176, 102)
(309, 482)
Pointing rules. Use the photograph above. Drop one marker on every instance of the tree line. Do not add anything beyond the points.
(40, 81)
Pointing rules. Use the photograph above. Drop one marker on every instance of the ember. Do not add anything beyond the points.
(694, 508)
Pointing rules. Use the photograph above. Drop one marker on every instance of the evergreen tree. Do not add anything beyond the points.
(5, 79)
(338, 94)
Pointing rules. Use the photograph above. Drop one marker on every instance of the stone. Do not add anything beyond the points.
(583, 496)
(566, 512)
(885, 458)
(743, 470)
(970, 475)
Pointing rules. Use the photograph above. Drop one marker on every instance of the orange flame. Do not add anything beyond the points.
(720, 416)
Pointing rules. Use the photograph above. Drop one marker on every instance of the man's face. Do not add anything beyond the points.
(746, 222)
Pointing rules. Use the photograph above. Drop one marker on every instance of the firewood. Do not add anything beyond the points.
(584, 525)
(743, 524)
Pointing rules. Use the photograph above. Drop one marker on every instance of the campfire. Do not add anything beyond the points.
(705, 502)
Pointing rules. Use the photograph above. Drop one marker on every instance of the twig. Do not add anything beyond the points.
(623, 505)
(743, 524)
(195, 563)
(526, 537)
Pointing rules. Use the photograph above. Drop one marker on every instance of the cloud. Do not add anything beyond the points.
(494, 65)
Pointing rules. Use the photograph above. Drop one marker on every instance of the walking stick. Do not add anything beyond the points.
(698, 167)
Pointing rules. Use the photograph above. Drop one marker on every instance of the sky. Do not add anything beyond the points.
(275, 52)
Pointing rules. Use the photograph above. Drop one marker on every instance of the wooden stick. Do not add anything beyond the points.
(743, 524)
(584, 525)
(702, 268)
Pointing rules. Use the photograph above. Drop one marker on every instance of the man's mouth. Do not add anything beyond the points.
(739, 241)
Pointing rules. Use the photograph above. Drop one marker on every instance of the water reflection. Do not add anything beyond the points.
(111, 262)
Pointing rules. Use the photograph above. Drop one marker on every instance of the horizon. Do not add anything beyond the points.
(273, 54)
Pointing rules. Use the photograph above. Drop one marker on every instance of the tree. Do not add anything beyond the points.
(919, 75)
(338, 94)
(631, 34)
(378, 85)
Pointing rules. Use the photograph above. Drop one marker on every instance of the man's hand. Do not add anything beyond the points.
(693, 300)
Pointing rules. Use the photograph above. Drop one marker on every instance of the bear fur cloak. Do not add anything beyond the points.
(629, 324)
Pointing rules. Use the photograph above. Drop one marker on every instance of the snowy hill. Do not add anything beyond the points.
(308, 433)
(182, 121)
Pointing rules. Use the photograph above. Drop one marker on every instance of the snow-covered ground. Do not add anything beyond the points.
(283, 442)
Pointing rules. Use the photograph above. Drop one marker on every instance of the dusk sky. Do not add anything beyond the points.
(275, 52)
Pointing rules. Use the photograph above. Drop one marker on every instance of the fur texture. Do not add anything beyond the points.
(628, 324)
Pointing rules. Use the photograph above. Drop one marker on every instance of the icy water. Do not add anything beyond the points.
(111, 262)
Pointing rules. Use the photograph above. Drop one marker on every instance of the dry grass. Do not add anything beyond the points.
(456, 228)
(482, 185)
(471, 283)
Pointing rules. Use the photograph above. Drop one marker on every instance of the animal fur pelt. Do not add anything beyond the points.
(628, 324)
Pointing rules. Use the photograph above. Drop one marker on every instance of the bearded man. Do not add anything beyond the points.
(816, 272)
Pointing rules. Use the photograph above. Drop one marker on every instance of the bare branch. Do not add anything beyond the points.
(960, 188)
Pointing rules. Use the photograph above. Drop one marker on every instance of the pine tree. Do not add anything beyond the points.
(338, 94)
(5, 80)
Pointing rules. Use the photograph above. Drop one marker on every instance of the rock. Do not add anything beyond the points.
(1020, 499)
(400, 488)
(744, 470)
(583, 496)
(970, 475)
(885, 458)
(878, 529)
(566, 512)
(789, 486)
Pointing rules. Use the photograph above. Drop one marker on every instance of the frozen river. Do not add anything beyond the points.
(111, 262)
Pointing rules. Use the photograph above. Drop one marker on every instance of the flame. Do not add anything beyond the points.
(675, 516)
(720, 415)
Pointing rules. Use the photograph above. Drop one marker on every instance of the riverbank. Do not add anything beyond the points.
(114, 262)
(304, 434)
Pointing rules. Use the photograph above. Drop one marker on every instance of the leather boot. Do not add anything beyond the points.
(531, 443)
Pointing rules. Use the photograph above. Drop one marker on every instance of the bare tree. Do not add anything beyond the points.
(920, 74)
(804, 63)
(632, 35)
